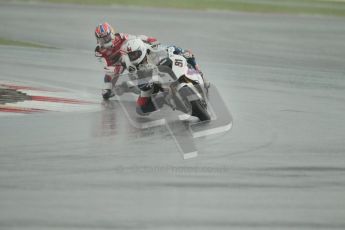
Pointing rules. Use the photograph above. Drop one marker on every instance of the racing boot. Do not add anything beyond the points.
(107, 93)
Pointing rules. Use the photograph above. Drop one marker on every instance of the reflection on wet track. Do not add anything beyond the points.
(281, 166)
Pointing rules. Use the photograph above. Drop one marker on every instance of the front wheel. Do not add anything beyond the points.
(199, 109)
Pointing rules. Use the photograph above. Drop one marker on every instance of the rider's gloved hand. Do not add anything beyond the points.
(188, 54)
(131, 69)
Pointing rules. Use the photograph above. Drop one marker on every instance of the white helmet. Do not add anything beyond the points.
(136, 50)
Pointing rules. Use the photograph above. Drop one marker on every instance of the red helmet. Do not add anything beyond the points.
(104, 34)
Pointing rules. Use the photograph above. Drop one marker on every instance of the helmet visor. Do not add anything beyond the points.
(134, 55)
(104, 40)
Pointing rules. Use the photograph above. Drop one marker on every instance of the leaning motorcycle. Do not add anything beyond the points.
(175, 82)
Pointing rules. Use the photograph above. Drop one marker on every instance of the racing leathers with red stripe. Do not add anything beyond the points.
(111, 58)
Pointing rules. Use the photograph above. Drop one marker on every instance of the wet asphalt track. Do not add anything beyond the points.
(281, 166)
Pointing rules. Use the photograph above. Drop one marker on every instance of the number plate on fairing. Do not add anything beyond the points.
(179, 66)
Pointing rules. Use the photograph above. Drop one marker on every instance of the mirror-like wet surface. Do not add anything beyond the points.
(281, 166)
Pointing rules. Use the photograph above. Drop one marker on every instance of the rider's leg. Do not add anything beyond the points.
(151, 99)
(108, 86)
(144, 102)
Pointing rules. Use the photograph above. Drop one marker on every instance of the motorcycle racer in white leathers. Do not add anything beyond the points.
(137, 57)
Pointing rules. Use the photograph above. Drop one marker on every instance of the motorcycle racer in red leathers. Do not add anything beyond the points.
(108, 48)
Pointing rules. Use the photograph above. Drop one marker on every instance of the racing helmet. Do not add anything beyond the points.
(105, 34)
(136, 50)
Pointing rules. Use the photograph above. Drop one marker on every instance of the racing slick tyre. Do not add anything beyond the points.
(199, 109)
